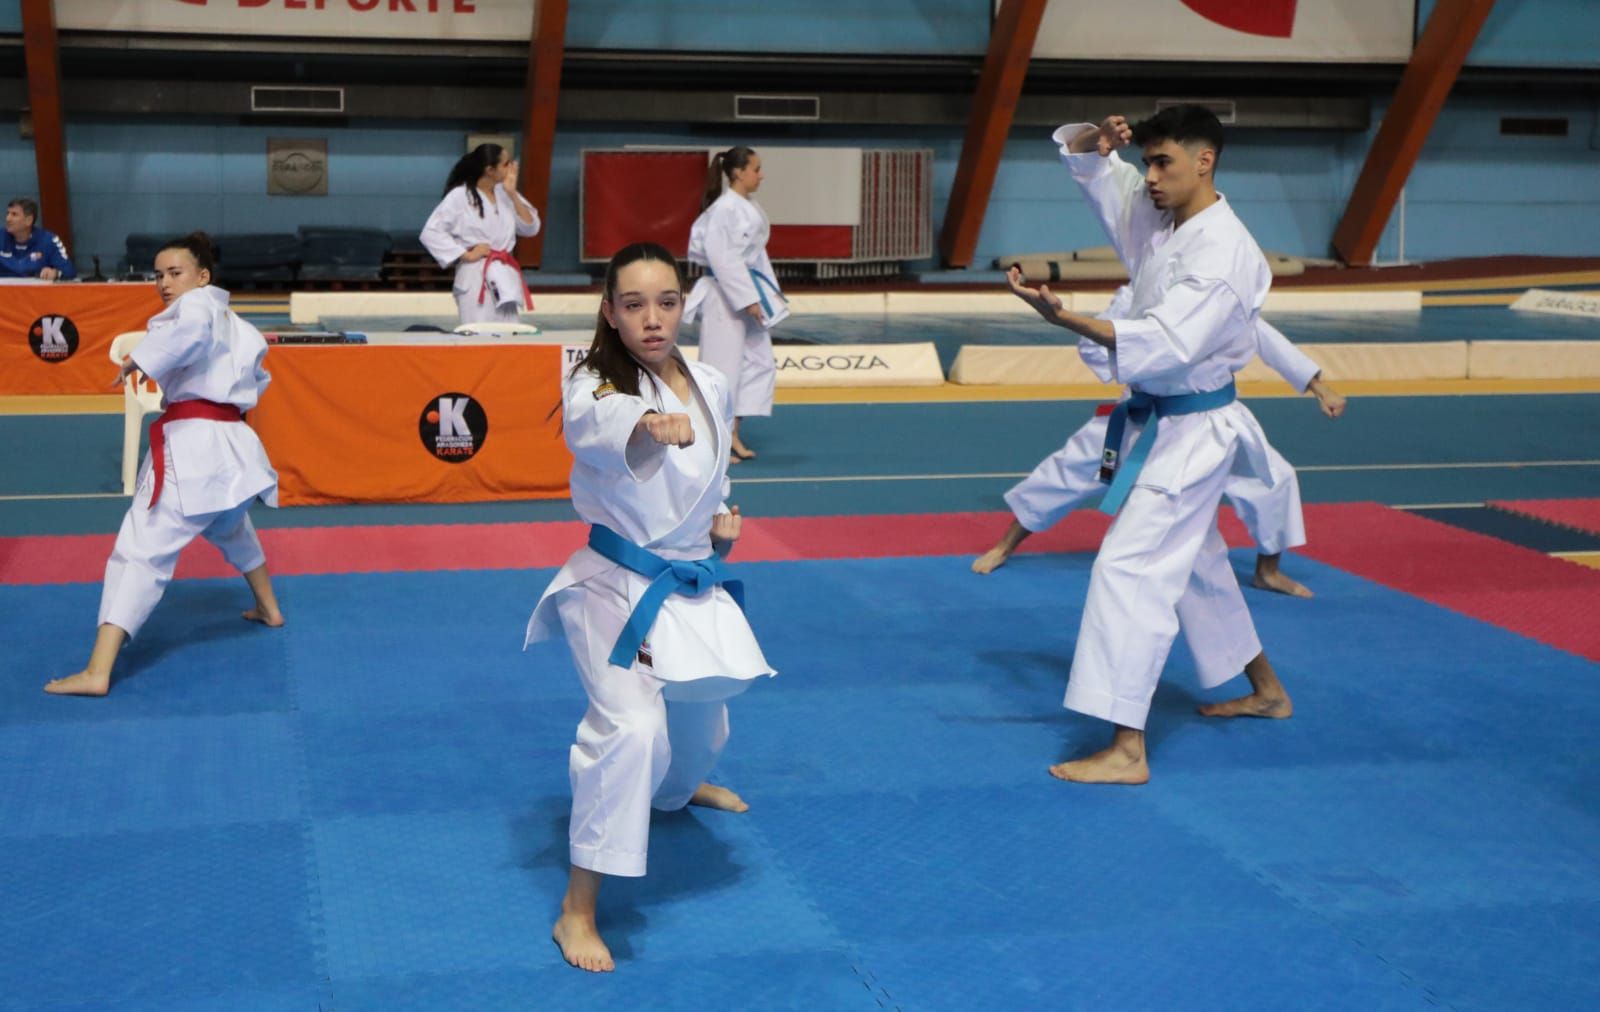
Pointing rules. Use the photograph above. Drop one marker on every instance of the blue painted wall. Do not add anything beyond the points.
(1473, 193)
(10, 17)
(1534, 33)
(817, 26)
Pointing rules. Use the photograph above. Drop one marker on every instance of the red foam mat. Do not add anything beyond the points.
(315, 550)
(1515, 588)
(1579, 514)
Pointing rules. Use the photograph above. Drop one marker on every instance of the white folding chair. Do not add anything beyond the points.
(138, 399)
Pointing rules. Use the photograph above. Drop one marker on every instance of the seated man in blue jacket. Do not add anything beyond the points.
(27, 251)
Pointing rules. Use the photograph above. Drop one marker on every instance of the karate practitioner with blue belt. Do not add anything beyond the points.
(1198, 281)
(737, 300)
(654, 621)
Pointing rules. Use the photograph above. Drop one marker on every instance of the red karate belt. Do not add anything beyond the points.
(177, 412)
(502, 257)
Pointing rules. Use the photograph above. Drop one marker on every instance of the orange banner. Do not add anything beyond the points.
(56, 338)
(353, 423)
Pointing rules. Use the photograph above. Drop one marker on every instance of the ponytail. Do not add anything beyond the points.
(470, 168)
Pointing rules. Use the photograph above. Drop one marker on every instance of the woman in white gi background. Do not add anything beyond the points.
(649, 437)
(205, 465)
(474, 229)
(737, 301)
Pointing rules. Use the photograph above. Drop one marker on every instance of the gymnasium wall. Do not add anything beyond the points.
(1474, 192)
(1534, 33)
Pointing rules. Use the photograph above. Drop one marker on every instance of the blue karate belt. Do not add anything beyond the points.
(758, 279)
(1148, 409)
(692, 577)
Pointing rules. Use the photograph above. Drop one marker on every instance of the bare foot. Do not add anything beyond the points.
(581, 944)
(1270, 577)
(742, 451)
(712, 796)
(1276, 581)
(1003, 549)
(1112, 766)
(991, 560)
(1274, 705)
(84, 683)
(272, 619)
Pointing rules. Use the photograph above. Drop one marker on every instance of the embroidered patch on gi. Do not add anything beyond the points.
(644, 656)
(604, 390)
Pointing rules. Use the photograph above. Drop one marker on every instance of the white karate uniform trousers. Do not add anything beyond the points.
(1163, 566)
(740, 349)
(469, 310)
(1068, 478)
(148, 544)
(634, 751)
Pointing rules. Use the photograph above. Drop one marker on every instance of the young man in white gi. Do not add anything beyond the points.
(1198, 283)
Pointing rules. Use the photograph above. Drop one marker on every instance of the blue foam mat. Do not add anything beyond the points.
(375, 818)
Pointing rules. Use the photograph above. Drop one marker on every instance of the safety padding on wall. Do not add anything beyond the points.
(1534, 360)
(1050, 365)
(1019, 365)
(858, 365)
(1295, 300)
(1419, 360)
(1092, 265)
(958, 303)
(838, 303)
(307, 308)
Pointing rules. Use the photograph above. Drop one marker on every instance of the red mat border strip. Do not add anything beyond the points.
(1578, 514)
(1516, 588)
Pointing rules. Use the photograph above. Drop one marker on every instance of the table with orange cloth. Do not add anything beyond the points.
(55, 337)
(414, 422)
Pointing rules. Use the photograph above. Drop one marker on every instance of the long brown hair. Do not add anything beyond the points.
(469, 168)
(607, 356)
(723, 163)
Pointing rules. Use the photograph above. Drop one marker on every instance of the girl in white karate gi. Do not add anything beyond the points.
(737, 300)
(649, 436)
(205, 466)
(1068, 478)
(475, 228)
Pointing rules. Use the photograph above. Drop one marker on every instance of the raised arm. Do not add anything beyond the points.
(1115, 189)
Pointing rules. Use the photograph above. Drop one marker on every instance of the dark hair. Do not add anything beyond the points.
(608, 357)
(199, 246)
(724, 163)
(29, 208)
(1185, 124)
(470, 168)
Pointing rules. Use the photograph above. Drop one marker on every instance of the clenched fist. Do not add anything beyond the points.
(725, 526)
(669, 430)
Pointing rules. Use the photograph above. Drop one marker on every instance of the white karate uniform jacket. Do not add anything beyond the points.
(199, 349)
(1068, 478)
(455, 226)
(730, 237)
(639, 489)
(1195, 299)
